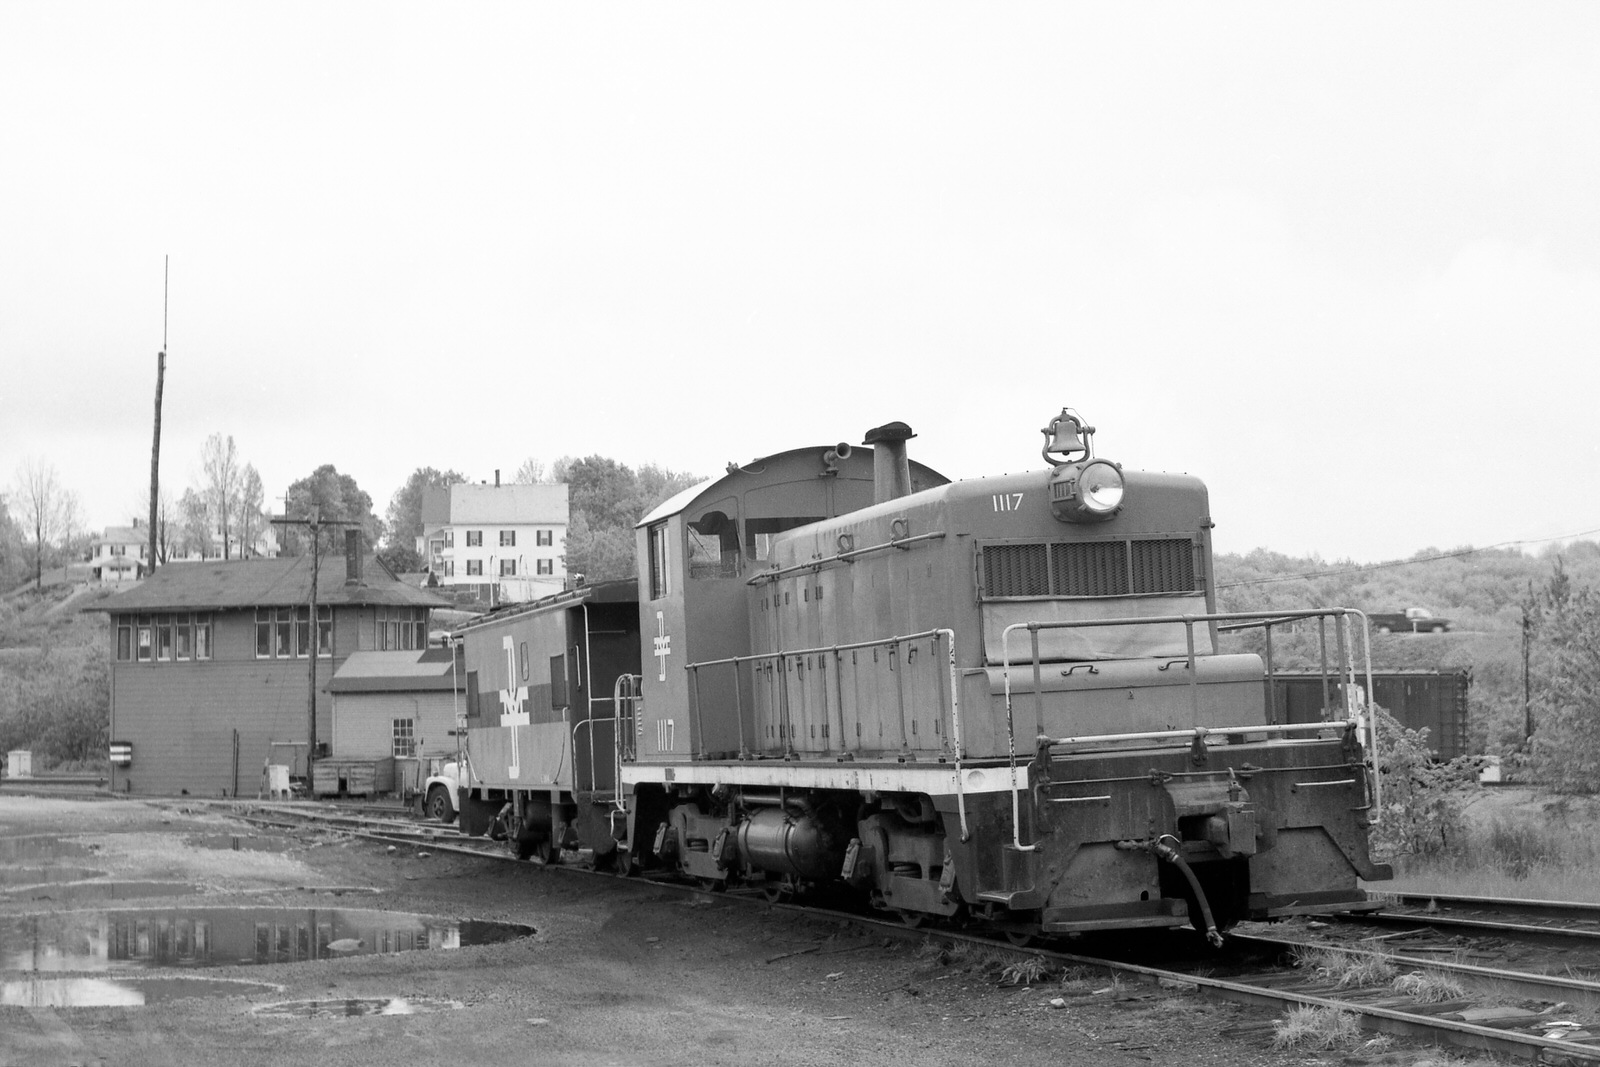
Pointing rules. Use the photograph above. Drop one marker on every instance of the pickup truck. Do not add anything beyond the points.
(439, 793)
(1412, 620)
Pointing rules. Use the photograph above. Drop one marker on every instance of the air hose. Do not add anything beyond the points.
(1171, 855)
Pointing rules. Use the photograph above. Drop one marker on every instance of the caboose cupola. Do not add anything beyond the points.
(1085, 489)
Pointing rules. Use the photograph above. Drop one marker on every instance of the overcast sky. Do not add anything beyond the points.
(1342, 261)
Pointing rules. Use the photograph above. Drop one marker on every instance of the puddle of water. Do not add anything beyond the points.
(16, 876)
(118, 992)
(102, 941)
(74, 892)
(39, 850)
(351, 1007)
(239, 842)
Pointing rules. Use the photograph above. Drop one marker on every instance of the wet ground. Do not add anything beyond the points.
(259, 956)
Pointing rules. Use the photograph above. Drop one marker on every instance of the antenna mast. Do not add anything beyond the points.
(155, 446)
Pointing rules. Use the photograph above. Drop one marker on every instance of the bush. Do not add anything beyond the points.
(1421, 811)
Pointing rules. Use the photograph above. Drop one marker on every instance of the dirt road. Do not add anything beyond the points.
(618, 972)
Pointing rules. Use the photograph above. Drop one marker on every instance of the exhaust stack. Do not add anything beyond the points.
(891, 468)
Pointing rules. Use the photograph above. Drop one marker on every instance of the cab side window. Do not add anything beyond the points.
(713, 543)
(658, 561)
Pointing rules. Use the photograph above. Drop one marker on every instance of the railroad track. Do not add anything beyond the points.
(1260, 973)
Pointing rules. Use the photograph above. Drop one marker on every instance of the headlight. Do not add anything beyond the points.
(1086, 492)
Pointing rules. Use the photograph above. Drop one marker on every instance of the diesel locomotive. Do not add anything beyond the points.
(1008, 700)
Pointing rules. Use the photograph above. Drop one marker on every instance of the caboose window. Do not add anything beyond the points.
(658, 561)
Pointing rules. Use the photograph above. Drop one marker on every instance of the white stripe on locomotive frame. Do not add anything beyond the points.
(932, 778)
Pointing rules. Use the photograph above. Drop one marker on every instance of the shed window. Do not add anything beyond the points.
(405, 741)
(146, 638)
(124, 639)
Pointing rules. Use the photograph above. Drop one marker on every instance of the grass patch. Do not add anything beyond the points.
(1429, 987)
(1317, 1028)
(1550, 852)
(1347, 970)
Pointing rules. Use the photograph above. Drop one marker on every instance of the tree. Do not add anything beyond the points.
(328, 495)
(39, 500)
(1566, 653)
(247, 521)
(532, 472)
(606, 499)
(219, 465)
(194, 524)
(12, 562)
(405, 507)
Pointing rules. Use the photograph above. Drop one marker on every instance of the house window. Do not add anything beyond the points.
(263, 633)
(546, 566)
(283, 633)
(508, 539)
(545, 538)
(183, 637)
(405, 741)
(508, 567)
(202, 637)
(658, 561)
(474, 566)
(449, 568)
(449, 539)
(474, 538)
(124, 639)
(324, 630)
(119, 550)
(302, 631)
(146, 638)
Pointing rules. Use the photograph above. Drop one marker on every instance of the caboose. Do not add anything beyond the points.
(1005, 698)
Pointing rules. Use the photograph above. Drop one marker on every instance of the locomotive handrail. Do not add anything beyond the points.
(839, 557)
(589, 722)
(623, 739)
(1259, 618)
(948, 634)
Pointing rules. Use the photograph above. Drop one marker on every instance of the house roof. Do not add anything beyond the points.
(508, 505)
(244, 583)
(122, 535)
(390, 672)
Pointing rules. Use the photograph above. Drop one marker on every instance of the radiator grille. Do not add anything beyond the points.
(1089, 568)
(1016, 570)
(1164, 566)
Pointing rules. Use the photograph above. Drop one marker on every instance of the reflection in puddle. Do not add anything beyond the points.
(44, 849)
(100, 941)
(117, 992)
(239, 842)
(20, 876)
(349, 1007)
(73, 892)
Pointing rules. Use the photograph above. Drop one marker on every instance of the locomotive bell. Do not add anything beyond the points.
(1064, 437)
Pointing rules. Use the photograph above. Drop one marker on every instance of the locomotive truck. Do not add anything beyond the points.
(1004, 700)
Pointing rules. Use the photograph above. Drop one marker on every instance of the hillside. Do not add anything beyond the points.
(1483, 592)
(54, 676)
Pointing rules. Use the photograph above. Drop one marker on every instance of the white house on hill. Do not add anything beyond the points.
(504, 541)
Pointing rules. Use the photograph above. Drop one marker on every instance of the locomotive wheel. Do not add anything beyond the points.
(913, 919)
(1022, 938)
(539, 850)
(711, 885)
(777, 889)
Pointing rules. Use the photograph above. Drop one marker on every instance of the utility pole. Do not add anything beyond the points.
(314, 525)
(1527, 688)
(155, 447)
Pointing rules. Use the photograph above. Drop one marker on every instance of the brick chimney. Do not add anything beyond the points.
(352, 557)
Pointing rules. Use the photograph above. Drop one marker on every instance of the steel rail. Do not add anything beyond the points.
(1529, 983)
(1387, 1020)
